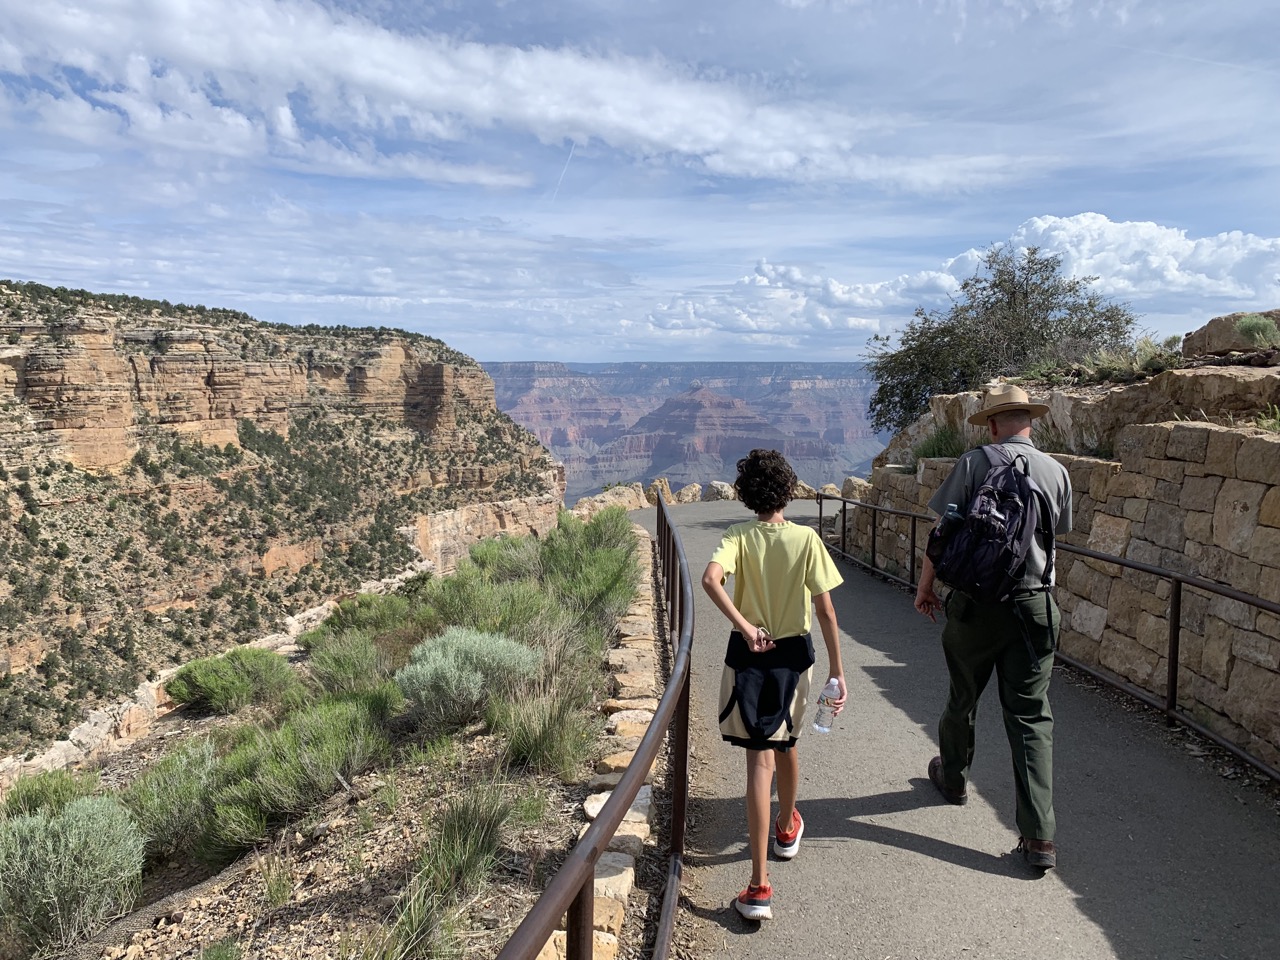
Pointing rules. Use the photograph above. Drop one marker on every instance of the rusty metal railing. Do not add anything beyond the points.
(572, 890)
(1169, 705)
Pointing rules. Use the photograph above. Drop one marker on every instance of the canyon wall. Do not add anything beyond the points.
(632, 422)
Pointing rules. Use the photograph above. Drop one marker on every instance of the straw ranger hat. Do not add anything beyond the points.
(1002, 397)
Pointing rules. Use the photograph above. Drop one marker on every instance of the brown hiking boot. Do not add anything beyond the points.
(958, 797)
(1038, 853)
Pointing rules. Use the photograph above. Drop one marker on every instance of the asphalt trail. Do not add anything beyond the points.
(1160, 858)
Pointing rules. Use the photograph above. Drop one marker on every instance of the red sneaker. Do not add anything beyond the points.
(755, 903)
(786, 843)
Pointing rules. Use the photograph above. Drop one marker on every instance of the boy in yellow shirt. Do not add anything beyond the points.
(778, 569)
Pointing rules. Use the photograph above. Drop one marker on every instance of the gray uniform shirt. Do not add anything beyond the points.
(1050, 476)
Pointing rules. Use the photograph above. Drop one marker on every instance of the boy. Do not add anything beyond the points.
(764, 689)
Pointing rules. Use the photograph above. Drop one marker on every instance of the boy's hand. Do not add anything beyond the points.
(759, 640)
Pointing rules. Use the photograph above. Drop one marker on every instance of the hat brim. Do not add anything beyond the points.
(980, 418)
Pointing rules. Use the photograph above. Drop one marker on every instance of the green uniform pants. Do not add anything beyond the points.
(1017, 640)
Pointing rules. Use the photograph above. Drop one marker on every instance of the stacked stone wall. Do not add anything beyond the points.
(1195, 498)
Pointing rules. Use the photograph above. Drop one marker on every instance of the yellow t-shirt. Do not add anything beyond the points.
(777, 569)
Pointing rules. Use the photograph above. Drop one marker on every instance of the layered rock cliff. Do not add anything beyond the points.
(631, 422)
(175, 479)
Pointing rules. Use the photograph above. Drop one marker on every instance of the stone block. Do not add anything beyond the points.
(1079, 646)
(1269, 511)
(1153, 632)
(1234, 612)
(1264, 651)
(1243, 574)
(1100, 477)
(1168, 491)
(1109, 535)
(615, 876)
(1088, 583)
(1235, 516)
(1214, 562)
(1195, 607)
(1253, 700)
(1170, 471)
(1208, 693)
(1164, 526)
(1269, 584)
(629, 838)
(615, 762)
(1200, 493)
(1259, 458)
(613, 705)
(1220, 452)
(1268, 625)
(1198, 526)
(604, 946)
(1264, 546)
(1215, 657)
(1129, 484)
(1188, 442)
(1127, 657)
(1089, 619)
(1190, 650)
(628, 686)
(1135, 509)
(1123, 608)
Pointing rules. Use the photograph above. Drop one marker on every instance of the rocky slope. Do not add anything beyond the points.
(631, 422)
(174, 479)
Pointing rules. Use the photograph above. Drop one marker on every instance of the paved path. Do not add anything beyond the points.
(1160, 857)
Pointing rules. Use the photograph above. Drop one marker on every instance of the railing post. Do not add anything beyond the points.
(911, 557)
(844, 527)
(1175, 643)
(680, 769)
(875, 522)
(580, 921)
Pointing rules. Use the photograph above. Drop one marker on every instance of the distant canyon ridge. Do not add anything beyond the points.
(691, 422)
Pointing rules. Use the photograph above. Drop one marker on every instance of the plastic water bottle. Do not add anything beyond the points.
(826, 714)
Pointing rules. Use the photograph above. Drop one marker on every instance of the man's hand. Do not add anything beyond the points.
(927, 601)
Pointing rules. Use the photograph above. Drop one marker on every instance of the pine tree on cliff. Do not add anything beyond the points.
(1017, 312)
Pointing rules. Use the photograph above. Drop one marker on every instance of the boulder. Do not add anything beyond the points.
(660, 488)
(804, 492)
(855, 488)
(690, 493)
(628, 496)
(718, 490)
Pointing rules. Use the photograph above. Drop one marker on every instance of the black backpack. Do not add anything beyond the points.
(983, 552)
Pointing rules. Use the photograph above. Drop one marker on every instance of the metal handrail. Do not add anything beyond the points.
(1169, 706)
(573, 887)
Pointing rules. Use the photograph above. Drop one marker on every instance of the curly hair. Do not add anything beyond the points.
(765, 481)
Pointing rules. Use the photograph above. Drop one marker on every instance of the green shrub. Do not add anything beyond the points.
(547, 734)
(610, 529)
(371, 612)
(49, 792)
(349, 662)
(1269, 418)
(171, 801)
(64, 875)
(1259, 330)
(243, 676)
(225, 950)
(942, 442)
(452, 677)
(286, 771)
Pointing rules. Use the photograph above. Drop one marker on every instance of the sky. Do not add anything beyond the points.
(625, 180)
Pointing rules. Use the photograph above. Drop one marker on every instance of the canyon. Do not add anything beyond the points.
(690, 422)
(178, 479)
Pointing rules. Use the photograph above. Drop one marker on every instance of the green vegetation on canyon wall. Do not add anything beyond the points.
(175, 480)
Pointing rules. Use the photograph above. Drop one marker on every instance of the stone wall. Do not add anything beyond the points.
(1196, 498)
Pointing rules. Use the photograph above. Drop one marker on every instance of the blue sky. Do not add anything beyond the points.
(639, 179)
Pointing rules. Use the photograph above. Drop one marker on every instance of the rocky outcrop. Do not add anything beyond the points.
(628, 496)
(1220, 337)
(442, 539)
(687, 421)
